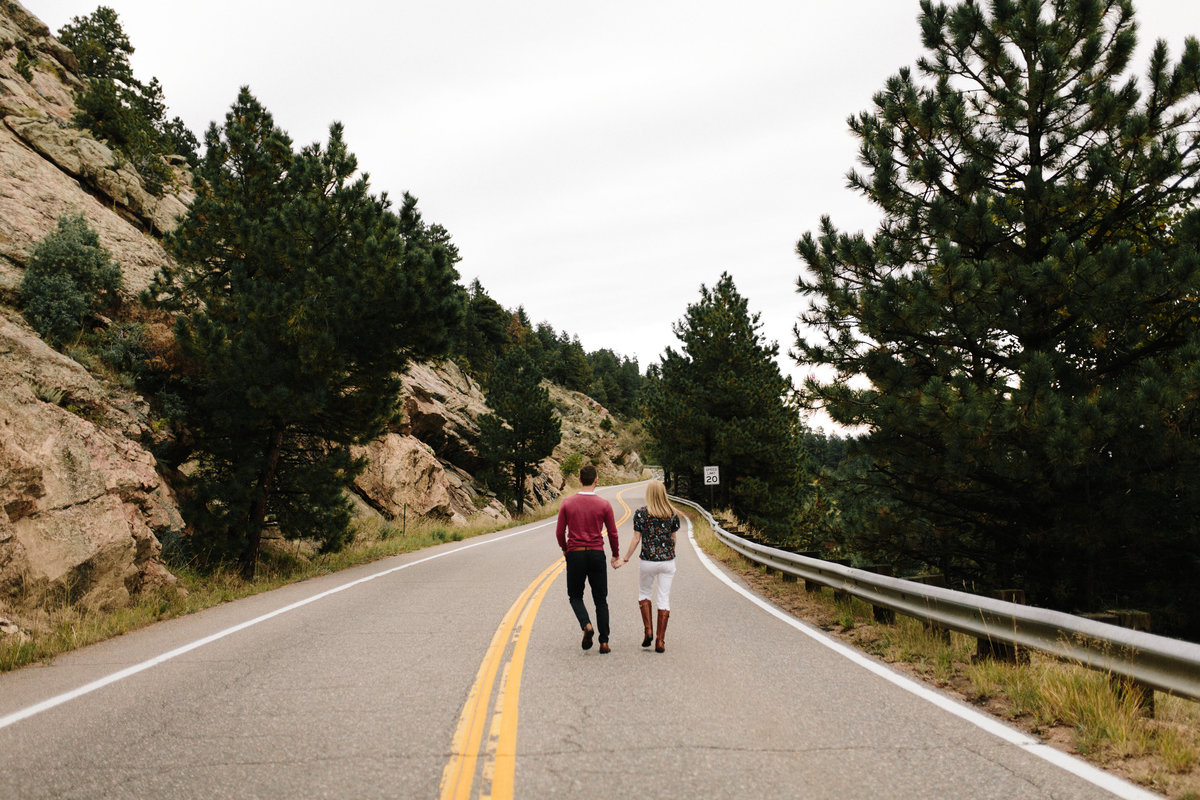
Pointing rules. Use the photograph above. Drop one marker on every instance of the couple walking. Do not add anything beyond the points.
(582, 520)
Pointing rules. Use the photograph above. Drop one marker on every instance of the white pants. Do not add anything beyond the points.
(664, 571)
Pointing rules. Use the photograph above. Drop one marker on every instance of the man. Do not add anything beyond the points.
(582, 519)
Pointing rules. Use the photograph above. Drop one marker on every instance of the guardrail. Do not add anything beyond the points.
(1158, 662)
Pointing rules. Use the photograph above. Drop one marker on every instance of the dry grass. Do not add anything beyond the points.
(1069, 706)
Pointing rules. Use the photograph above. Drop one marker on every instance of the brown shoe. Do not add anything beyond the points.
(659, 646)
(604, 648)
(588, 633)
(646, 624)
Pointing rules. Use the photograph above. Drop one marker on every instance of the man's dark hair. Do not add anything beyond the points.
(587, 475)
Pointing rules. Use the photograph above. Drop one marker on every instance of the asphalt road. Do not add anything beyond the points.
(365, 683)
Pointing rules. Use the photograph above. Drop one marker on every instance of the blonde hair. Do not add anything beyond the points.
(656, 500)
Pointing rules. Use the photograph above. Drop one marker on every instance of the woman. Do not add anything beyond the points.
(654, 525)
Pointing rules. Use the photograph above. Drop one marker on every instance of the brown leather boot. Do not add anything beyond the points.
(659, 647)
(644, 605)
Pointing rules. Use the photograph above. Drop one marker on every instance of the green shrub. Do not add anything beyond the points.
(24, 65)
(69, 276)
(571, 465)
(48, 394)
(122, 347)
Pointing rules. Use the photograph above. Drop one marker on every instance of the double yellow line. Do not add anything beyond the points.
(501, 754)
(459, 774)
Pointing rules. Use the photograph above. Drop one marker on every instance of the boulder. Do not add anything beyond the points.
(441, 407)
(471, 499)
(403, 478)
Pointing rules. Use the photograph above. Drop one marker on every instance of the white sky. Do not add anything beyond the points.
(594, 162)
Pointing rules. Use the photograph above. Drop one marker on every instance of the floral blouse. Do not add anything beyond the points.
(657, 542)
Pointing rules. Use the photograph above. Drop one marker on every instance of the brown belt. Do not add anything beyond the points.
(578, 549)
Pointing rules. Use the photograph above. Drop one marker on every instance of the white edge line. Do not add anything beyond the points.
(100, 683)
(1094, 775)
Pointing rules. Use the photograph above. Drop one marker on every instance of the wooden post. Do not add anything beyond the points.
(1137, 621)
(787, 576)
(809, 586)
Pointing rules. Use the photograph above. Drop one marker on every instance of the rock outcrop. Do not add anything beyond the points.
(441, 406)
(591, 431)
(48, 168)
(82, 501)
(82, 498)
(426, 465)
(404, 478)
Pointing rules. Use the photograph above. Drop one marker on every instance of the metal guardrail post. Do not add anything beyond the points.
(1157, 662)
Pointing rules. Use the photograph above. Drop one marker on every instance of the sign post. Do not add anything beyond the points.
(712, 477)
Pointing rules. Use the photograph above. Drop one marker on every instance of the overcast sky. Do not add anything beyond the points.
(594, 162)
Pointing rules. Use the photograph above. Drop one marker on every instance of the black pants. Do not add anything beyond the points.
(589, 566)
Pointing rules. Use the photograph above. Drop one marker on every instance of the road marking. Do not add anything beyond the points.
(624, 505)
(1094, 775)
(46, 705)
(500, 756)
(502, 751)
(459, 773)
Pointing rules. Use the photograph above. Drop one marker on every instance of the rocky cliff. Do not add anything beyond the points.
(84, 502)
(425, 466)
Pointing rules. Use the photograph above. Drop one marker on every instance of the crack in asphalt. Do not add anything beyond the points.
(1013, 773)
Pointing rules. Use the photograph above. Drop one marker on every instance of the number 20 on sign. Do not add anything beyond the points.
(712, 476)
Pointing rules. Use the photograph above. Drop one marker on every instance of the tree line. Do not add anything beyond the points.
(273, 341)
(489, 331)
(1016, 347)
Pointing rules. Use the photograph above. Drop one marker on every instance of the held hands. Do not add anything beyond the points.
(617, 561)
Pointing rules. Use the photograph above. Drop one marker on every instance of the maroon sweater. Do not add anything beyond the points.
(582, 519)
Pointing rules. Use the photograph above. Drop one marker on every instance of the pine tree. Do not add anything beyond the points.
(723, 401)
(616, 381)
(485, 332)
(548, 352)
(100, 45)
(523, 427)
(116, 107)
(301, 297)
(573, 371)
(1025, 314)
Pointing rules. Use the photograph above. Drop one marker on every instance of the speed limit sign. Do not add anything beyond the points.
(712, 476)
